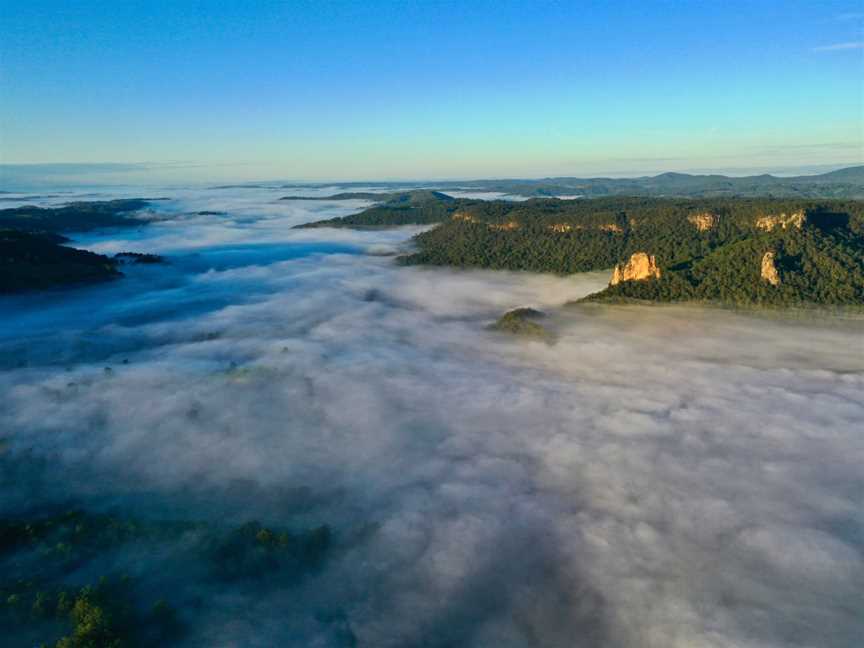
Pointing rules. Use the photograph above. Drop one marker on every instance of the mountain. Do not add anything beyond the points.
(417, 196)
(842, 183)
(38, 261)
(729, 250)
(33, 255)
(418, 207)
(77, 216)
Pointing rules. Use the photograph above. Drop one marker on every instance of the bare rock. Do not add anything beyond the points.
(640, 266)
(769, 270)
(782, 221)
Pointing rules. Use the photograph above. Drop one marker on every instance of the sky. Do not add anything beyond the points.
(423, 90)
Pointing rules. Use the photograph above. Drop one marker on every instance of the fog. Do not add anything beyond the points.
(656, 477)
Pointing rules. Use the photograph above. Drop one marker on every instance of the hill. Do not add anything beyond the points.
(845, 183)
(668, 249)
(36, 261)
(33, 255)
(77, 216)
(419, 207)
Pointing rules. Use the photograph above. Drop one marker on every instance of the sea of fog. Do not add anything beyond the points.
(658, 477)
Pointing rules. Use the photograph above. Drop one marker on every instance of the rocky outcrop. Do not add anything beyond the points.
(504, 227)
(782, 221)
(611, 227)
(640, 266)
(704, 221)
(769, 269)
(464, 217)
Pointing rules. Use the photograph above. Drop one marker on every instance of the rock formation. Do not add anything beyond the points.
(704, 221)
(504, 227)
(769, 270)
(463, 216)
(611, 227)
(640, 266)
(782, 221)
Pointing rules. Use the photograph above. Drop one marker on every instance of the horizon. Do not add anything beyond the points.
(405, 91)
(16, 178)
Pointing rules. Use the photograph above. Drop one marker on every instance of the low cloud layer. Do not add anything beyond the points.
(658, 477)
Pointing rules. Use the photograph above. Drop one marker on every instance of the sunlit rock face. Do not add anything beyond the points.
(782, 221)
(611, 227)
(640, 266)
(464, 217)
(769, 270)
(704, 221)
(509, 226)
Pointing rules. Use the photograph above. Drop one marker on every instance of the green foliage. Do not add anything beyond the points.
(41, 556)
(254, 551)
(77, 216)
(31, 254)
(407, 208)
(36, 261)
(821, 263)
(523, 322)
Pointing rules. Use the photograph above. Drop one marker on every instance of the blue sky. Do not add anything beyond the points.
(369, 90)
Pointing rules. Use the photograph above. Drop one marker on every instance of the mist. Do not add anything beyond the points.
(656, 477)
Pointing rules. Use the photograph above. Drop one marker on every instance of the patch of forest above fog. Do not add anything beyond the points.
(842, 183)
(34, 254)
(765, 251)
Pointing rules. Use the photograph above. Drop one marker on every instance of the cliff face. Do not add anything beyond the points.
(769, 270)
(782, 221)
(640, 266)
(704, 221)
(611, 227)
(463, 216)
(509, 226)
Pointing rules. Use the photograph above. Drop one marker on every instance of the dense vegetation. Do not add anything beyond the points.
(77, 216)
(39, 261)
(843, 183)
(32, 254)
(354, 195)
(523, 322)
(407, 208)
(59, 586)
(820, 262)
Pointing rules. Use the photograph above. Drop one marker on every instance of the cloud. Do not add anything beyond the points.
(852, 45)
(658, 477)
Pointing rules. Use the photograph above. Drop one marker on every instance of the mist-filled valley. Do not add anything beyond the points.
(283, 437)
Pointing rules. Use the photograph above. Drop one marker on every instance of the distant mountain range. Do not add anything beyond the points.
(842, 183)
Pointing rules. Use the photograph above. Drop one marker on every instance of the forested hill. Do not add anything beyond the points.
(702, 249)
(393, 197)
(76, 216)
(419, 207)
(845, 183)
(33, 255)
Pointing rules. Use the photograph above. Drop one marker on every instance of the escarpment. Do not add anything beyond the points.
(640, 266)
(509, 226)
(465, 217)
(704, 221)
(769, 269)
(794, 220)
